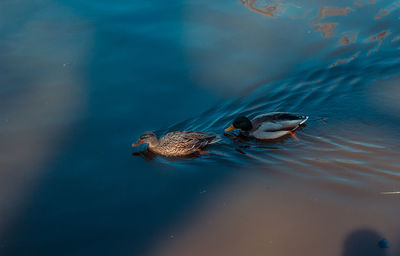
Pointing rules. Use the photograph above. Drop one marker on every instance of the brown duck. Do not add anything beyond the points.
(179, 143)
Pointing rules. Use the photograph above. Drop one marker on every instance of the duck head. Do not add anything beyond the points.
(148, 138)
(242, 123)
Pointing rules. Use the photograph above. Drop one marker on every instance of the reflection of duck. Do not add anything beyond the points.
(179, 143)
(268, 126)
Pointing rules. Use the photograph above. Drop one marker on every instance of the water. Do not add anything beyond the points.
(80, 81)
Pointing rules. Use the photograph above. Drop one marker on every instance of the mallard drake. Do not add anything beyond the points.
(268, 126)
(179, 143)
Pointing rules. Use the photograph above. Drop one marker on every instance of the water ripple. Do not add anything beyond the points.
(346, 138)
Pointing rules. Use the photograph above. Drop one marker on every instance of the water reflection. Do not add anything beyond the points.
(267, 215)
(325, 28)
(41, 96)
(343, 123)
(365, 242)
(268, 10)
(81, 80)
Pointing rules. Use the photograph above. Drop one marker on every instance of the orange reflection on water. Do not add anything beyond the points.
(387, 11)
(325, 28)
(359, 4)
(381, 13)
(378, 37)
(269, 11)
(345, 60)
(348, 38)
(345, 40)
(326, 11)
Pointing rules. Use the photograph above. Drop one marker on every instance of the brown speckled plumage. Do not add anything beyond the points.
(179, 143)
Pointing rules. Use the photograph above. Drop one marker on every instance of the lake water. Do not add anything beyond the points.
(81, 80)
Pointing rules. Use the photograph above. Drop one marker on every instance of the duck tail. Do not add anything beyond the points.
(305, 118)
(215, 139)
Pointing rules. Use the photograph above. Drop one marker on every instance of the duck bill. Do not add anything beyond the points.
(230, 128)
(137, 144)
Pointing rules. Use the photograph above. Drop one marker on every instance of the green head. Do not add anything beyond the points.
(242, 123)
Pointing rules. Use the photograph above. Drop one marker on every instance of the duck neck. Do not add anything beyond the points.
(154, 144)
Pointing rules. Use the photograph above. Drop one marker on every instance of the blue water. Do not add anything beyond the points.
(81, 80)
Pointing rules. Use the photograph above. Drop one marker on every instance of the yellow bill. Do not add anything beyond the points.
(230, 128)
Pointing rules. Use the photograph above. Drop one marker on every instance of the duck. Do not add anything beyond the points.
(268, 126)
(177, 143)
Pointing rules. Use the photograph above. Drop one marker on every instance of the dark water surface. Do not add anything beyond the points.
(81, 80)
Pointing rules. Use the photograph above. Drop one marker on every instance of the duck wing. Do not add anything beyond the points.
(187, 140)
(199, 139)
(277, 121)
